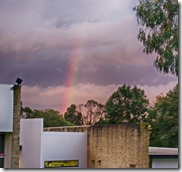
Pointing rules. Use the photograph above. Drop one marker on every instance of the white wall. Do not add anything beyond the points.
(6, 108)
(30, 139)
(39, 146)
(165, 163)
(64, 146)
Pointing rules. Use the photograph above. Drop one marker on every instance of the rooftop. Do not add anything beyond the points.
(163, 151)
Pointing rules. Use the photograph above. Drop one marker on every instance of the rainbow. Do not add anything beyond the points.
(75, 59)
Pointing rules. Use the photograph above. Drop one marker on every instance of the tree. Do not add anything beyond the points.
(51, 117)
(127, 104)
(159, 32)
(73, 116)
(164, 131)
(26, 112)
(92, 112)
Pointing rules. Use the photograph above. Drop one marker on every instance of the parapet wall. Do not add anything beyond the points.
(114, 146)
(68, 129)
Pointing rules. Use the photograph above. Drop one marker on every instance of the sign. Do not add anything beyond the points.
(65, 163)
(2, 155)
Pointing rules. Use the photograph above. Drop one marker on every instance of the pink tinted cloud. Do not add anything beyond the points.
(54, 97)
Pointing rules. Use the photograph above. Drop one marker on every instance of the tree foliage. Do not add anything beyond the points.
(127, 104)
(85, 114)
(51, 117)
(164, 131)
(159, 32)
(73, 116)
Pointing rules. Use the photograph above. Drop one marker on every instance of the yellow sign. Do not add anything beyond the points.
(65, 163)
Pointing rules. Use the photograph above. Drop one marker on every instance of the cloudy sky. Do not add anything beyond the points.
(71, 51)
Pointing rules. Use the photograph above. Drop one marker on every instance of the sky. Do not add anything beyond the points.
(72, 51)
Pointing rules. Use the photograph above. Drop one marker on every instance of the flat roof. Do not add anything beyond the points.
(163, 151)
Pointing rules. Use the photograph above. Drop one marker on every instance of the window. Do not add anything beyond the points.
(132, 166)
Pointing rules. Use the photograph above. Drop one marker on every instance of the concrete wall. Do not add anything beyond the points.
(60, 146)
(115, 146)
(30, 140)
(39, 146)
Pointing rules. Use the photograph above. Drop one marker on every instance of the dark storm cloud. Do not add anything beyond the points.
(36, 47)
(130, 74)
(35, 71)
(54, 71)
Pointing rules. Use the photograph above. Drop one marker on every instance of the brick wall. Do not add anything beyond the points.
(16, 127)
(114, 146)
(117, 146)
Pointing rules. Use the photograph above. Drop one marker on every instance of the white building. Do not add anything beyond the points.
(51, 149)
(163, 157)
